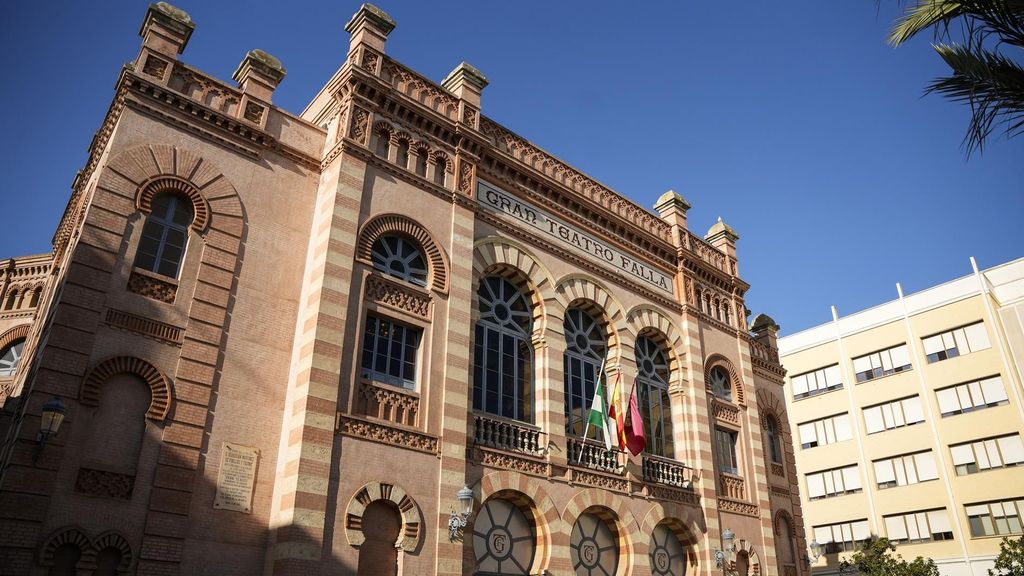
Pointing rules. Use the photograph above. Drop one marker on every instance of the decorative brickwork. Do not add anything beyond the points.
(104, 484)
(151, 287)
(388, 403)
(383, 433)
(397, 224)
(102, 372)
(411, 519)
(384, 291)
(144, 326)
(724, 363)
(180, 186)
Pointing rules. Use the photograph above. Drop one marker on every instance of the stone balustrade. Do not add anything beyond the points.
(666, 471)
(593, 455)
(507, 435)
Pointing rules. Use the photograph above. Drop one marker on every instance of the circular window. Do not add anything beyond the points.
(593, 547)
(503, 539)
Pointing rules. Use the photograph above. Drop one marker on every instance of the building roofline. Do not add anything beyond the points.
(1008, 289)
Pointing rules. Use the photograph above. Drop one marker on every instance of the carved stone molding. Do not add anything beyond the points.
(507, 461)
(777, 469)
(731, 486)
(386, 434)
(606, 481)
(393, 294)
(358, 127)
(780, 491)
(104, 484)
(737, 507)
(144, 326)
(725, 412)
(152, 288)
(687, 497)
(388, 403)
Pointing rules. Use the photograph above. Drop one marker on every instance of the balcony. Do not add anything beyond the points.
(731, 487)
(388, 403)
(508, 435)
(593, 455)
(666, 471)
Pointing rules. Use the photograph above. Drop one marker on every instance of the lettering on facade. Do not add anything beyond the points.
(236, 477)
(499, 201)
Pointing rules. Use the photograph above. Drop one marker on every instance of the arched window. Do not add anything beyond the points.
(720, 384)
(65, 560)
(585, 348)
(503, 358)
(398, 257)
(504, 539)
(118, 427)
(107, 561)
(593, 547)
(165, 235)
(772, 436)
(403, 154)
(421, 162)
(440, 165)
(12, 299)
(652, 389)
(383, 143)
(667, 554)
(10, 357)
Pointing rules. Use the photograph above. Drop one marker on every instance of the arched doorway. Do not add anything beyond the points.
(378, 554)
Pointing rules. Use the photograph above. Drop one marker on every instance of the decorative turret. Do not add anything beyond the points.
(259, 74)
(166, 29)
(672, 208)
(467, 83)
(723, 237)
(370, 26)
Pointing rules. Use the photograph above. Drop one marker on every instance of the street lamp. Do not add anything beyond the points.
(723, 557)
(52, 417)
(815, 553)
(458, 521)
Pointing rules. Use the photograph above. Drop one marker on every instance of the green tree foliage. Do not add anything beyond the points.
(981, 42)
(873, 559)
(1010, 561)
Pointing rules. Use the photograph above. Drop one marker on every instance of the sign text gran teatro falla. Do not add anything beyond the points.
(497, 200)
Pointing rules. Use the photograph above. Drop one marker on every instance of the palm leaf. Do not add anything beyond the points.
(993, 86)
(923, 15)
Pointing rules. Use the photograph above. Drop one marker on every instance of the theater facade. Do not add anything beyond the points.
(364, 339)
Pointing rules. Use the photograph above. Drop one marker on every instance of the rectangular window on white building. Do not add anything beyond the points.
(958, 342)
(825, 431)
(835, 482)
(918, 527)
(881, 363)
(905, 469)
(895, 414)
(995, 518)
(817, 382)
(971, 396)
(841, 537)
(980, 455)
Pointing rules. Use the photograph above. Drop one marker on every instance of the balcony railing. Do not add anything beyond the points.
(590, 454)
(389, 403)
(507, 435)
(731, 486)
(667, 471)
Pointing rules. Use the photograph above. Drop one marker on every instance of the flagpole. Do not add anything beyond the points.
(586, 428)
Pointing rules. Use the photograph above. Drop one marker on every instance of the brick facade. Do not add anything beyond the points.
(255, 344)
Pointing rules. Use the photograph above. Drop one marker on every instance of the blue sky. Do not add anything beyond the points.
(793, 121)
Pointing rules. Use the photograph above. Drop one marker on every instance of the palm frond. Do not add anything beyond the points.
(924, 15)
(993, 86)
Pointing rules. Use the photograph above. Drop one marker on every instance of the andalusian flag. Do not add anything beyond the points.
(598, 417)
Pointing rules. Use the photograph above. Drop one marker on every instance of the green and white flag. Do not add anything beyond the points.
(598, 416)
